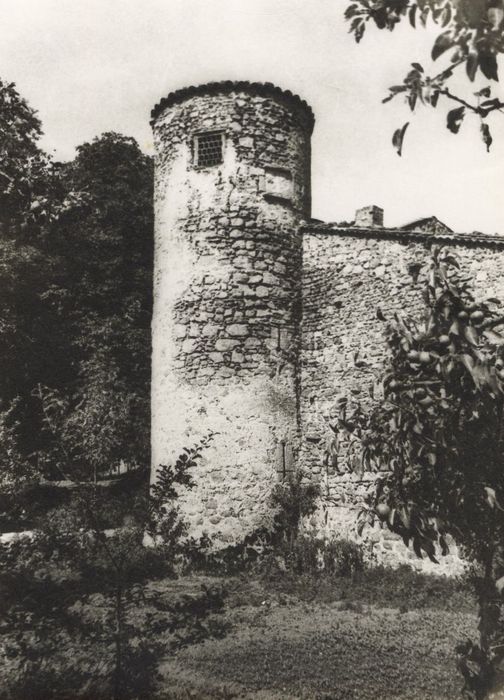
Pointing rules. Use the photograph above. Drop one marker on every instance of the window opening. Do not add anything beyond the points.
(208, 149)
(285, 461)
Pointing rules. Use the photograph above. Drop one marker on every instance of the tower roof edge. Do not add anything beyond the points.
(225, 86)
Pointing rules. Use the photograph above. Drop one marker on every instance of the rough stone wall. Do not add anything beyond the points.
(227, 300)
(347, 275)
(261, 321)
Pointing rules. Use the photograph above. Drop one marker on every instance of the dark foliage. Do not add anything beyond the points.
(83, 599)
(99, 415)
(75, 272)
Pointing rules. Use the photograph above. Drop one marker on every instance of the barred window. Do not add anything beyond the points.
(208, 149)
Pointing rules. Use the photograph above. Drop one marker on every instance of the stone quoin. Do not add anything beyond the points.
(263, 316)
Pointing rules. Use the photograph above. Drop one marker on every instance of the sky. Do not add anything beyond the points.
(91, 66)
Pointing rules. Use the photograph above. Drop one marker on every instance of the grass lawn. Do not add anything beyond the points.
(280, 646)
(380, 636)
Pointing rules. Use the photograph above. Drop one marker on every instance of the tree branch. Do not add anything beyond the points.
(447, 72)
(479, 110)
(451, 96)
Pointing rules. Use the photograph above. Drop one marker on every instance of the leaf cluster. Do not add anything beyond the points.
(472, 35)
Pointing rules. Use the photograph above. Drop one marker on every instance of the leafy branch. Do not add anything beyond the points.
(472, 32)
(435, 439)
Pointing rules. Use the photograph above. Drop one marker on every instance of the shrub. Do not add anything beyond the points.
(293, 500)
(198, 555)
(75, 591)
(309, 556)
(331, 558)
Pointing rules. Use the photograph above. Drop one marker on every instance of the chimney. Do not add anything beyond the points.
(369, 217)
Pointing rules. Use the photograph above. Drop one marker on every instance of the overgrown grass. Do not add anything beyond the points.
(402, 588)
(312, 569)
(301, 620)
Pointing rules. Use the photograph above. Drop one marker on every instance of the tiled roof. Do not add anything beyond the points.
(226, 86)
(425, 221)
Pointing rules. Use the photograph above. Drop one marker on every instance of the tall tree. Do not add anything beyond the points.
(23, 164)
(75, 271)
(28, 325)
(104, 242)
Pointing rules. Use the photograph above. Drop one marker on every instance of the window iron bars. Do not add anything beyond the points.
(208, 149)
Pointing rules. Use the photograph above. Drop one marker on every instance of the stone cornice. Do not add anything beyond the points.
(478, 239)
(227, 86)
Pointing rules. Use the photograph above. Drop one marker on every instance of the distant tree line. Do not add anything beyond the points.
(75, 305)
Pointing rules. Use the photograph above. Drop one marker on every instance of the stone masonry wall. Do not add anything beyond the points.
(227, 299)
(261, 321)
(347, 275)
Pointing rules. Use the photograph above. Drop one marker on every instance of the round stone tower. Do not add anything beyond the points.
(232, 184)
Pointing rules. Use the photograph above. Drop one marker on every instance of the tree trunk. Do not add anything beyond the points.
(118, 660)
(488, 610)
